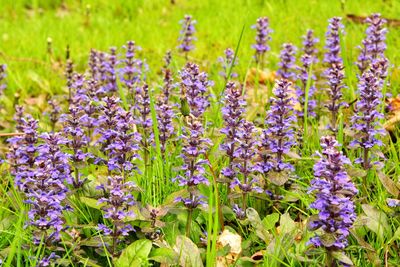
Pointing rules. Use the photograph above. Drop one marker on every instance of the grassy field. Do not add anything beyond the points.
(34, 36)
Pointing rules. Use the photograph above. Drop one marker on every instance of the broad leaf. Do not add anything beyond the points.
(189, 254)
(376, 221)
(135, 254)
(164, 255)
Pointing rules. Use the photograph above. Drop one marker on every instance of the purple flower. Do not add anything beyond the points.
(3, 76)
(144, 120)
(239, 212)
(165, 114)
(280, 121)
(304, 76)
(309, 43)
(168, 79)
(373, 46)
(365, 121)
(335, 75)
(287, 63)
(46, 188)
(335, 29)
(227, 64)
(186, 34)
(23, 151)
(233, 119)
(54, 114)
(194, 86)
(132, 69)
(93, 64)
(334, 192)
(194, 147)
(263, 36)
(116, 204)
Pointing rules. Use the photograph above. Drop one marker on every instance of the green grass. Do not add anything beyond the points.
(34, 75)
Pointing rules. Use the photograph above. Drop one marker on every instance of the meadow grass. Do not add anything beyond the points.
(34, 74)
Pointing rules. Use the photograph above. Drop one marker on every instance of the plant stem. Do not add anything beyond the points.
(189, 222)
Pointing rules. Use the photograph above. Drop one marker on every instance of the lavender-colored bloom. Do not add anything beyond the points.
(54, 114)
(23, 152)
(334, 191)
(194, 147)
(77, 141)
(47, 260)
(233, 117)
(93, 64)
(309, 43)
(287, 62)
(46, 189)
(365, 121)
(165, 114)
(3, 76)
(335, 29)
(239, 212)
(194, 86)
(304, 76)
(263, 36)
(393, 203)
(335, 76)
(117, 201)
(132, 69)
(168, 79)
(227, 64)
(144, 120)
(186, 34)
(373, 46)
(279, 124)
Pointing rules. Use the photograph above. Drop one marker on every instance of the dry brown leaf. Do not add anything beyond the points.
(393, 118)
(235, 243)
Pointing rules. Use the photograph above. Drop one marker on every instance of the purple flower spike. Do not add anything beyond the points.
(194, 148)
(335, 75)
(374, 44)
(116, 203)
(46, 189)
(309, 43)
(233, 117)
(287, 63)
(186, 34)
(132, 69)
(365, 122)
(3, 76)
(303, 77)
(335, 29)
(334, 193)
(54, 113)
(280, 121)
(263, 37)
(165, 115)
(194, 86)
(227, 63)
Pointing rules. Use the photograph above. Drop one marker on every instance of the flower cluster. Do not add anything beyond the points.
(54, 114)
(165, 115)
(365, 121)
(373, 46)
(116, 203)
(335, 76)
(335, 29)
(232, 113)
(23, 150)
(194, 86)
(3, 75)
(194, 147)
(280, 121)
(186, 35)
(243, 166)
(132, 68)
(304, 76)
(309, 43)
(168, 79)
(287, 62)
(227, 62)
(263, 33)
(46, 189)
(334, 192)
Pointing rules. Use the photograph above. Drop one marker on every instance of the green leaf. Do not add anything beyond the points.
(256, 222)
(135, 254)
(164, 255)
(278, 178)
(389, 184)
(189, 254)
(91, 202)
(287, 224)
(270, 220)
(376, 221)
(340, 256)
